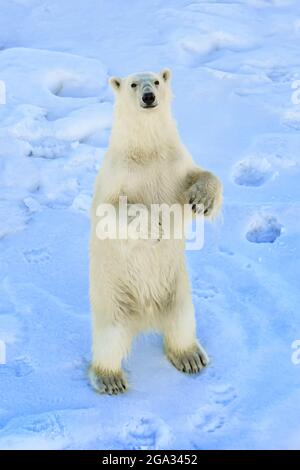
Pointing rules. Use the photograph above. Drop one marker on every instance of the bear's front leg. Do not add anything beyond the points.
(207, 192)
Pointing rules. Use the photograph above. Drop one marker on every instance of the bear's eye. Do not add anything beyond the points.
(133, 85)
(156, 82)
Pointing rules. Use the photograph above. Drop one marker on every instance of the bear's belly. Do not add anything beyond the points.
(148, 277)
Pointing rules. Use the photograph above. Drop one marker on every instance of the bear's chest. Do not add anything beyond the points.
(152, 184)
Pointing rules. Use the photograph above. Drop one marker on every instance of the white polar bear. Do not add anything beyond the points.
(142, 285)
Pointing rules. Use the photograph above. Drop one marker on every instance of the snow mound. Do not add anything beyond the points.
(252, 171)
(264, 229)
(205, 47)
(53, 80)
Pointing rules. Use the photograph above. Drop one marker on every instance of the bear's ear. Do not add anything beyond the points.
(166, 74)
(115, 83)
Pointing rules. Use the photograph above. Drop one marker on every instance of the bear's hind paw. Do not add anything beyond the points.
(111, 384)
(189, 362)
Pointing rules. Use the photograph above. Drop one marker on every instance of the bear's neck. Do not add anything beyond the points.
(147, 137)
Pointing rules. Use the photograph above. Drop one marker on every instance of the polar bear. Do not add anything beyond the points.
(141, 284)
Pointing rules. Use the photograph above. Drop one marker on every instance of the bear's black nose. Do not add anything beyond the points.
(148, 98)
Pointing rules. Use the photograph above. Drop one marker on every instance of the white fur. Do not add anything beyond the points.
(141, 285)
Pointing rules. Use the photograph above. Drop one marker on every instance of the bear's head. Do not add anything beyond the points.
(145, 92)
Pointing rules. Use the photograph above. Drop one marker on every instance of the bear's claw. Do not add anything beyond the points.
(189, 362)
(111, 384)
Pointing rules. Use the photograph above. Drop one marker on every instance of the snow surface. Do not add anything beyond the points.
(234, 66)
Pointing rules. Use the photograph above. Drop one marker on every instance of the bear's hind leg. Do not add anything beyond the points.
(111, 344)
(190, 361)
(181, 345)
(111, 383)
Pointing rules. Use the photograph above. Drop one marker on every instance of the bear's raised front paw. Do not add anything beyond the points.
(111, 384)
(189, 362)
(205, 196)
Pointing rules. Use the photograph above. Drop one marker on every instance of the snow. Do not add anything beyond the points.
(264, 229)
(252, 171)
(235, 70)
